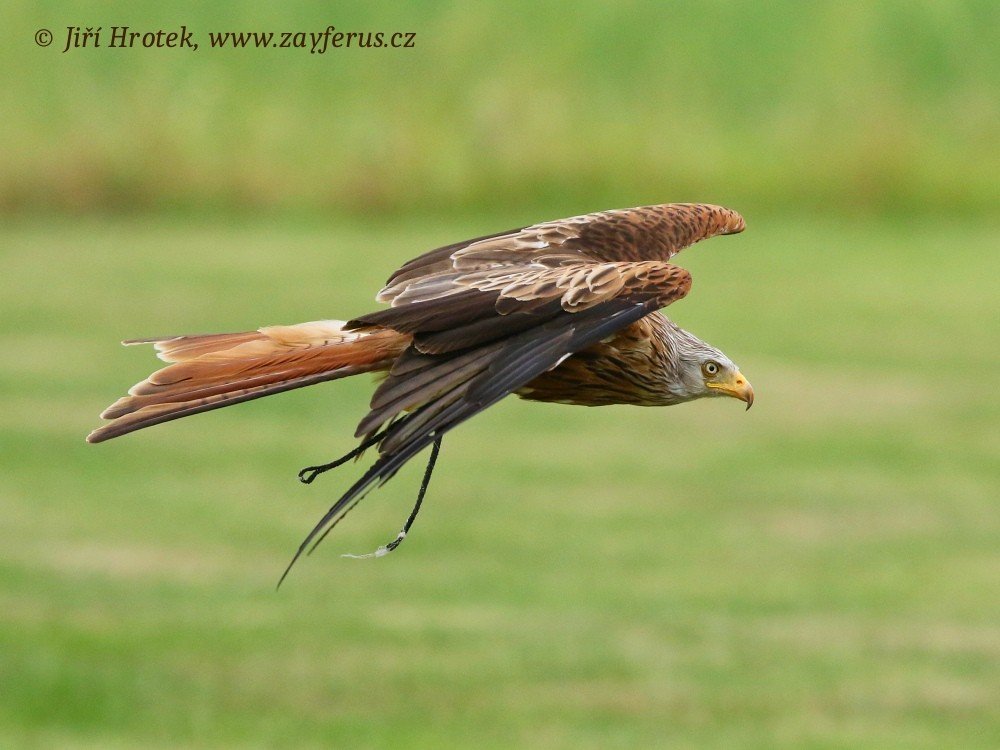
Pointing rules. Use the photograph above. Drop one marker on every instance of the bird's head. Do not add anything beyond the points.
(720, 377)
(703, 371)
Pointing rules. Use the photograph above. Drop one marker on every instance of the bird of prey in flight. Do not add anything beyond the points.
(563, 311)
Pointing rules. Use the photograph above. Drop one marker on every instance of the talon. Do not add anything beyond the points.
(308, 474)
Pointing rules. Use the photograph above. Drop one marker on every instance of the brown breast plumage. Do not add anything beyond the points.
(630, 367)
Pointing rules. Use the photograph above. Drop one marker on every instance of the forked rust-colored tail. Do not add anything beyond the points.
(216, 370)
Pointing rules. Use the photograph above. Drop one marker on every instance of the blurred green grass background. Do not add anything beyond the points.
(821, 572)
(782, 105)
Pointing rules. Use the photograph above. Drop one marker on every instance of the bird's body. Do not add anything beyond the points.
(562, 311)
(637, 365)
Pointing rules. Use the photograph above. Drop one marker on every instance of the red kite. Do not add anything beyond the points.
(563, 311)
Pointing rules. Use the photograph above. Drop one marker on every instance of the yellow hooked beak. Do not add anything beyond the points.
(736, 386)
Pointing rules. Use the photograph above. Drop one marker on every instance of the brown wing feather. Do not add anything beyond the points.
(501, 302)
(470, 295)
(442, 362)
(632, 234)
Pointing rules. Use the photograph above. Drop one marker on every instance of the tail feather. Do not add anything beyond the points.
(182, 348)
(215, 370)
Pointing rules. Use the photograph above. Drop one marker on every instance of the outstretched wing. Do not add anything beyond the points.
(489, 315)
(630, 234)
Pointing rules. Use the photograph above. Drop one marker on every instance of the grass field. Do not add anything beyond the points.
(878, 106)
(821, 572)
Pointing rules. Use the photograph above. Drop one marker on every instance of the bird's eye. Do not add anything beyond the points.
(710, 368)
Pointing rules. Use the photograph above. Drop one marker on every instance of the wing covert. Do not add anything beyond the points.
(635, 234)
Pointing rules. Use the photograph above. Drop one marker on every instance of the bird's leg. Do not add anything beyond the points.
(308, 474)
(386, 549)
